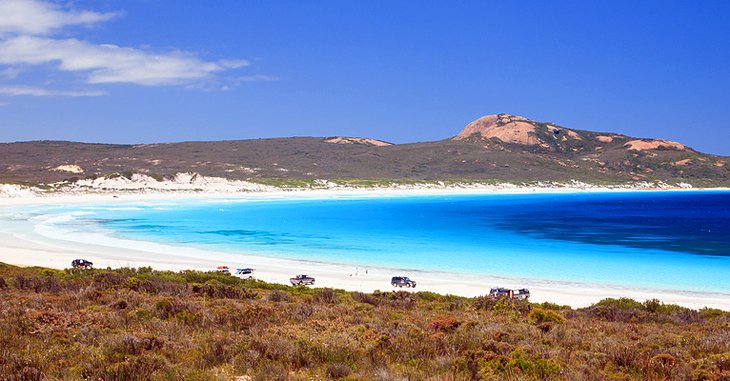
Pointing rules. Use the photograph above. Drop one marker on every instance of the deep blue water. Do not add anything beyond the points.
(676, 240)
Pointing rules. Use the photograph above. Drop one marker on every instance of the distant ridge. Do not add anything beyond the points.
(499, 147)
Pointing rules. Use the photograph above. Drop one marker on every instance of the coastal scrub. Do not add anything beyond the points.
(141, 324)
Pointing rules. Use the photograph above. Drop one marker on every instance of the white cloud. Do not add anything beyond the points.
(111, 63)
(26, 39)
(9, 73)
(257, 77)
(41, 92)
(39, 17)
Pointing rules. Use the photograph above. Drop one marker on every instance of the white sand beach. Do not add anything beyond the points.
(24, 245)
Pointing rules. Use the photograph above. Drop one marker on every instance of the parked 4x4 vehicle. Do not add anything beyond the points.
(402, 281)
(81, 264)
(245, 272)
(223, 269)
(501, 292)
(301, 280)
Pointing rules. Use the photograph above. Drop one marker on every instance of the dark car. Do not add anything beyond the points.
(499, 292)
(402, 281)
(81, 264)
(301, 279)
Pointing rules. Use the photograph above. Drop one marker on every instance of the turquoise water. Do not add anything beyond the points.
(672, 240)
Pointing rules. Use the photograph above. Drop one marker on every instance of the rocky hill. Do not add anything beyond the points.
(500, 147)
(548, 137)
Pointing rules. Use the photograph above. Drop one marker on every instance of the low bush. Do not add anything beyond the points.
(445, 324)
(620, 303)
(337, 371)
(109, 280)
(550, 306)
(621, 310)
(520, 362)
(270, 371)
(428, 296)
(510, 308)
(397, 299)
(216, 351)
(121, 346)
(539, 316)
(366, 298)
(37, 283)
(168, 308)
(14, 367)
(133, 368)
(278, 296)
(713, 368)
(326, 295)
(663, 361)
(214, 289)
(624, 356)
(711, 313)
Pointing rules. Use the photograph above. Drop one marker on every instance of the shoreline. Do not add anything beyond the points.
(24, 196)
(28, 248)
(23, 251)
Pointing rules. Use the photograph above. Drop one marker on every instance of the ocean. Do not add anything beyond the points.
(671, 240)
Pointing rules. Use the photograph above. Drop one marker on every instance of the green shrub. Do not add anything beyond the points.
(542, 368)
(713, 368)
(215, 289)
(622, 309)
(428, 296)
(509, 308)
(550, 306)
(656, 306)
(186, 317)
(539, 316)
(546, 368)
(469, 363)
(620, 303)
(709, 313)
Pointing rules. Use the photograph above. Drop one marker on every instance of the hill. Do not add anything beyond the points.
(501, 147)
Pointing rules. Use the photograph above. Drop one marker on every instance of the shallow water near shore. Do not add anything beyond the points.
(667, 240)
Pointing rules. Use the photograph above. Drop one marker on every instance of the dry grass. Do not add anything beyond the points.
(138, 324)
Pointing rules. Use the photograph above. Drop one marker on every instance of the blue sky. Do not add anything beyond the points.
(142, 71)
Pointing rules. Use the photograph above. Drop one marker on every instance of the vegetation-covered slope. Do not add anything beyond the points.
(141, 324)
(493, 148)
